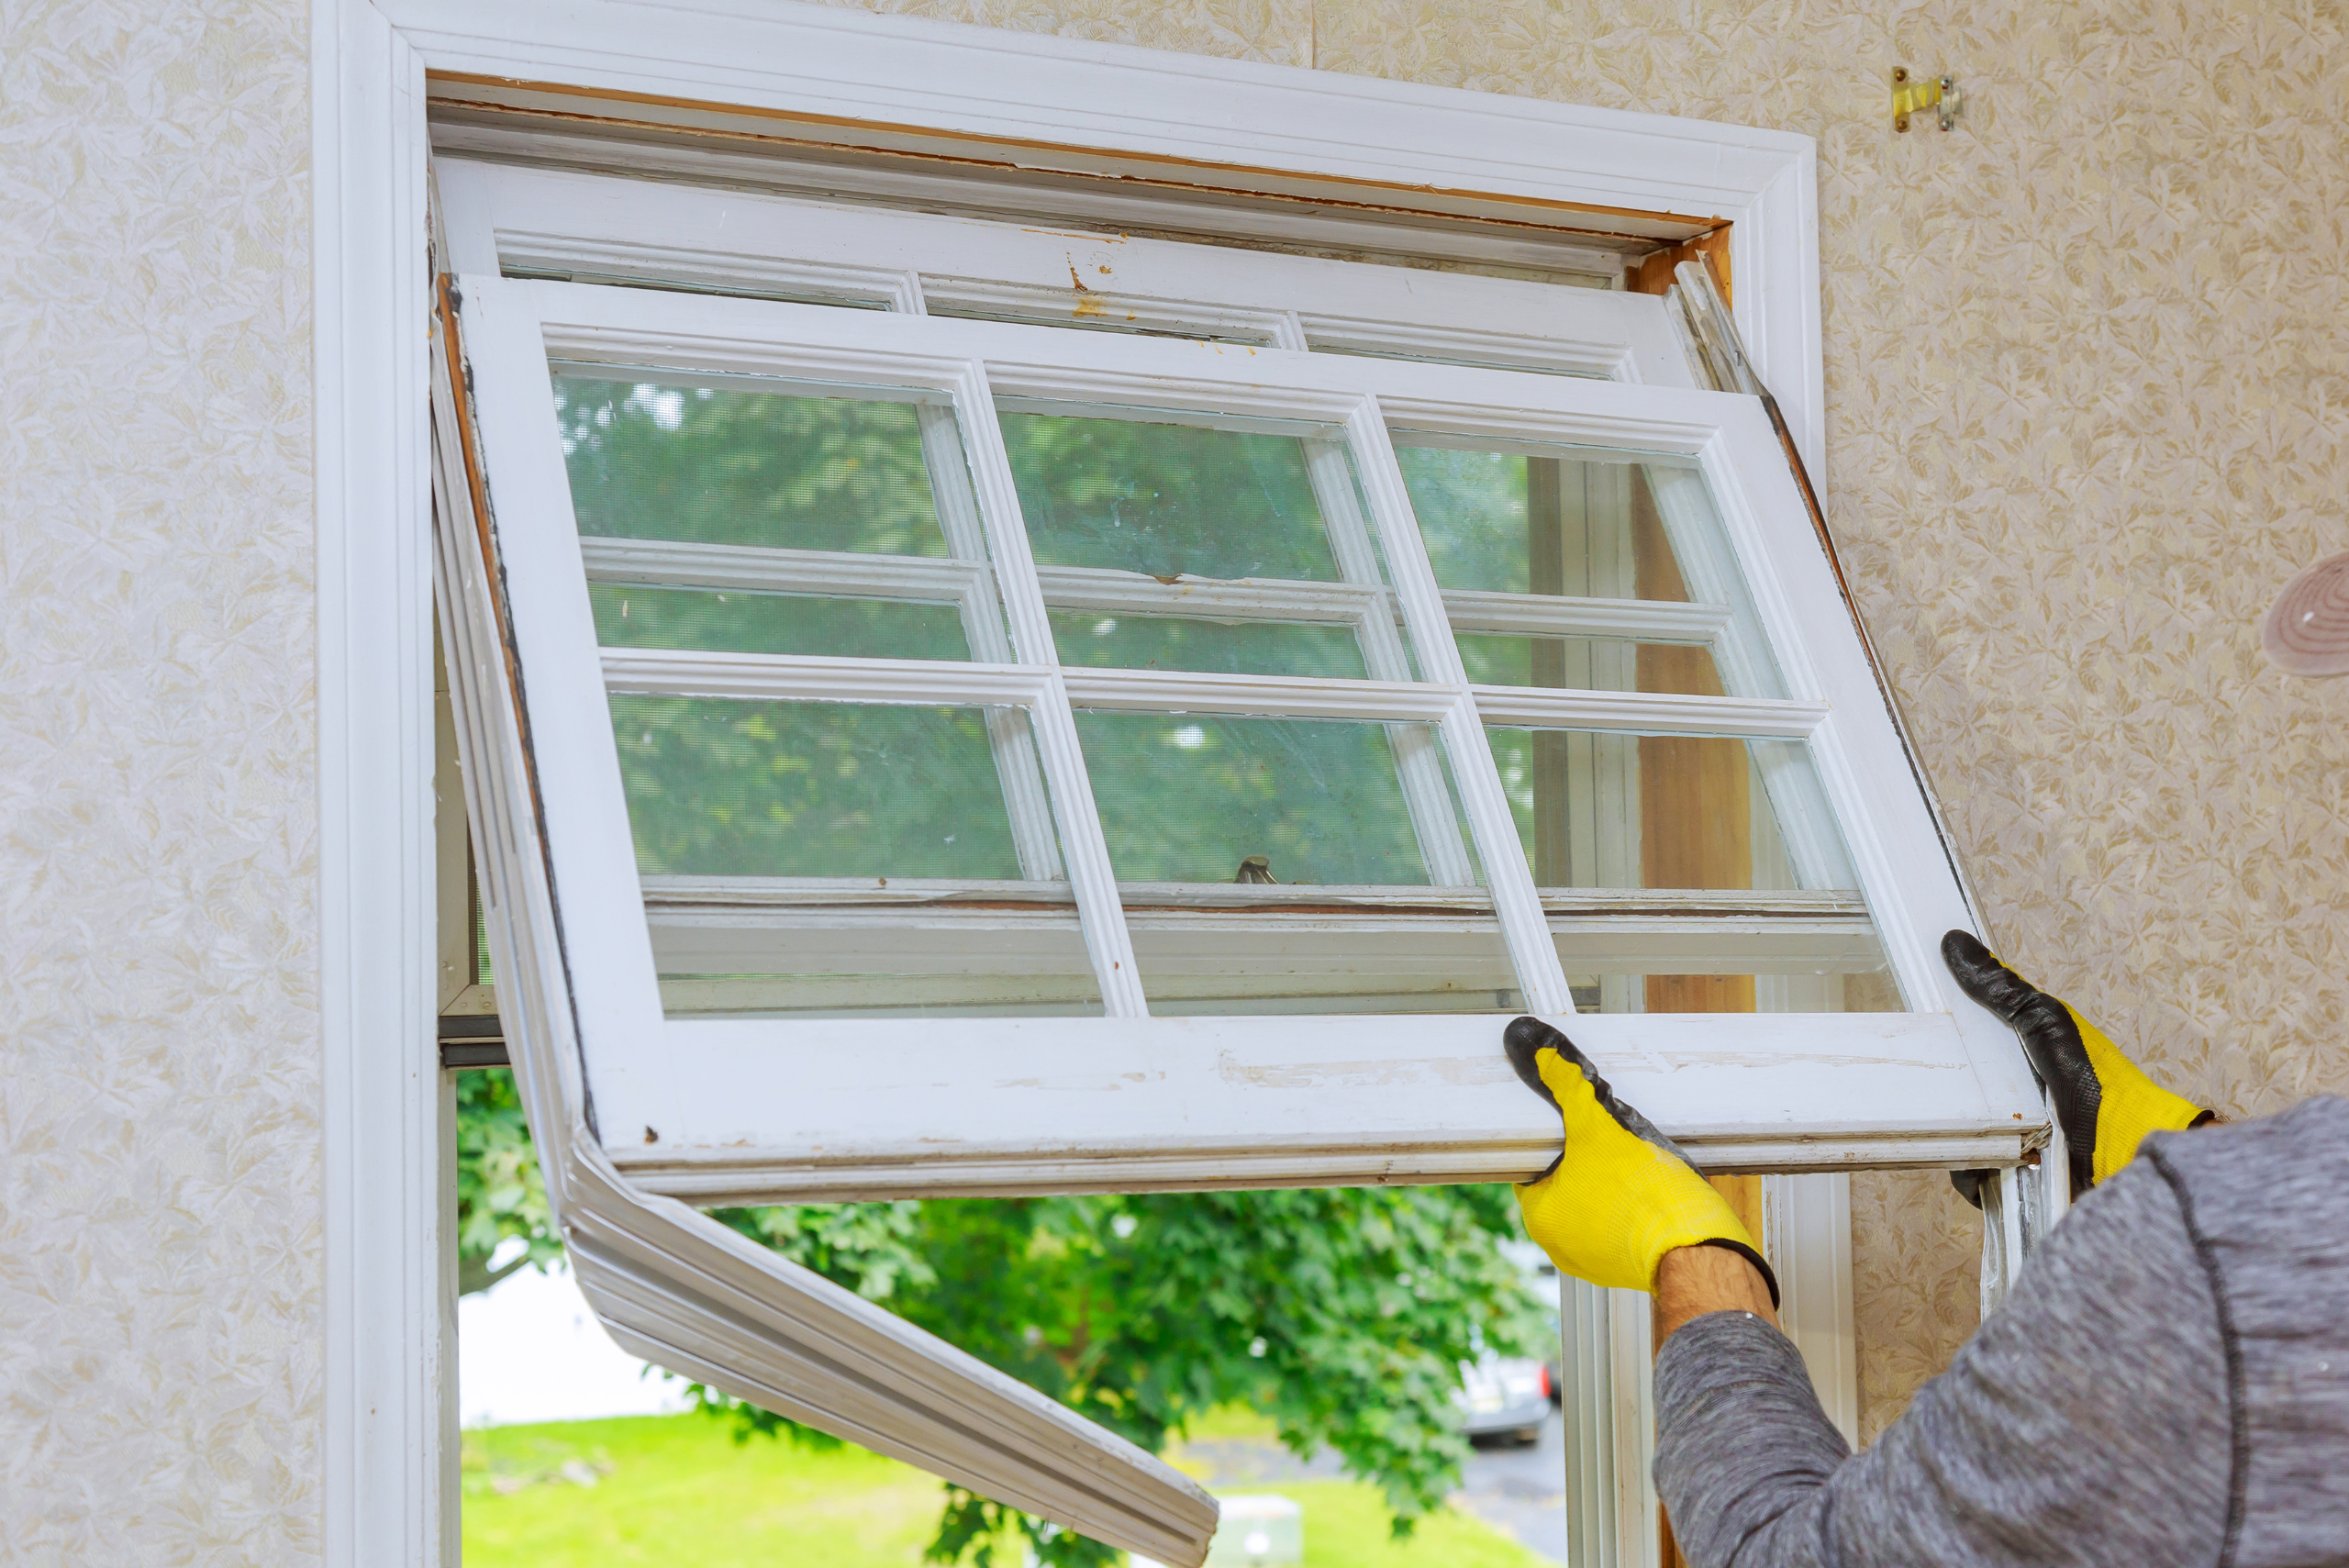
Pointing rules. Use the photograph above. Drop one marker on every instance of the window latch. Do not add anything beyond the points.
(1939, 94)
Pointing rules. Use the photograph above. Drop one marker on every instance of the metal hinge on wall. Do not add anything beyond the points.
(1939, 94)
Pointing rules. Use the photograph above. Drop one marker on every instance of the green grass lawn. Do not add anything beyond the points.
(672, 1491)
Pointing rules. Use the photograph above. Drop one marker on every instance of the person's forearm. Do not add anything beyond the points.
(1693, 1280)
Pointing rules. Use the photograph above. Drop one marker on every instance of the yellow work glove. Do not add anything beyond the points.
(1620, 1194)
(2105, 1105)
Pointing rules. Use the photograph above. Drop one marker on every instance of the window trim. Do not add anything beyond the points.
(389, 1444)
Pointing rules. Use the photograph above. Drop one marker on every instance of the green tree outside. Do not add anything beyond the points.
(1342, 1314)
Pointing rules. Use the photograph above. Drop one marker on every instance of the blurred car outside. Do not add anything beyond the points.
(1503, 1398)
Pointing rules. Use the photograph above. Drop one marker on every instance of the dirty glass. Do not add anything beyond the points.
(1568, 523)
(1668, 811)
(723, 787)
(1261, 863)
(834, 825)
(1167, 500)
(1187, 797)
(674, 459)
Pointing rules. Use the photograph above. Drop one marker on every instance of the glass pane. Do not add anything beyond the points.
(1221, 647)
(973, 950)
(1588, 664)
(811, 859)
(718, 787)
(628, 616)
(671, 459)
(1167, 500)
(1606, 819)
(1499, 522)
(1259, 857)
(1192, 798)
(1643, 811)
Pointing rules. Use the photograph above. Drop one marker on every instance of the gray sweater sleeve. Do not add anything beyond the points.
(2086, 1423)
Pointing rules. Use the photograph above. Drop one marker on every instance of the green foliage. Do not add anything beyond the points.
(1342, 1314)
(1186, 798)
(1472, 511)
(499, 1192)
(1170, 500)
(680, 461)
(720, 788)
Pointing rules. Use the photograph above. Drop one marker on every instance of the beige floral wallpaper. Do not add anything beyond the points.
(2083, 368)
(160, 1249)
(2086, 376)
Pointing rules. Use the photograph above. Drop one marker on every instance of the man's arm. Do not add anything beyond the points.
(1693, 1280)
(2086, 1423)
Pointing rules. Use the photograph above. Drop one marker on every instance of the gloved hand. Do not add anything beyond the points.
(1620, 1194)
(2105, 1105)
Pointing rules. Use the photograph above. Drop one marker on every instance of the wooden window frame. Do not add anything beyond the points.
(389, 1451)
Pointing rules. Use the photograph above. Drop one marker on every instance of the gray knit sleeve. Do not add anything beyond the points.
(2086, 1423)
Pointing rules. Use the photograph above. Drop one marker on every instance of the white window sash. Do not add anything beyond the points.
(713, 1107)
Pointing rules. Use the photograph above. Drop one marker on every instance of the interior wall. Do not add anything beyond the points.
(2081, 369)
(2084, 365)
(160, 1245)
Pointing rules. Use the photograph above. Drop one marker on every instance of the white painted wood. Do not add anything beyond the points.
(688, 894)
(1418, 762)
(670, 1285)
(1806, 1222)
(1176, 691)
(1131, 593)
(808, 676)
(1830, 690)
(1587, 1364)
(1536, 615)
(1304, 126)
(387, 1460)
(788, 1111)
(584, 816)
(2055, 1179)
(1027, 805)
(899, 167)
(1269, 945)
(1083, 847)
(1648, 713)
(814, 677)
(1515, 900)
(592, 228)
(1631, 1333)
(754, 569)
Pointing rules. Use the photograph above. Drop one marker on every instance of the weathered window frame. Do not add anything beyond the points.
(389, 1448)
(716, 1109)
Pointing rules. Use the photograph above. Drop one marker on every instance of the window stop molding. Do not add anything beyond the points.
(389, 1446)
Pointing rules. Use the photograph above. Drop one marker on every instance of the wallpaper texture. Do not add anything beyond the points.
(2085, 375)
(159, 1247)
